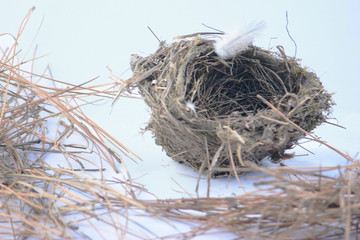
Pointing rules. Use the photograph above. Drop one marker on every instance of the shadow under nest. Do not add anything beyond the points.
(205, 110)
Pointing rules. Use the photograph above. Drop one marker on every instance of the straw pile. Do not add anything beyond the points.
(306, 204)
(210, 113)
(46, 144)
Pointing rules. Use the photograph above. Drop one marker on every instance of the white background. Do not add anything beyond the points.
(82, 38)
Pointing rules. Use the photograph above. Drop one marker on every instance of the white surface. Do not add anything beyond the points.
(82, 38)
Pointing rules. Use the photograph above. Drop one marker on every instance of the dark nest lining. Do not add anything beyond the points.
(231, 125)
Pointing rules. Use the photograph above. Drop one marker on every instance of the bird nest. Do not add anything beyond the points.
(210, 114)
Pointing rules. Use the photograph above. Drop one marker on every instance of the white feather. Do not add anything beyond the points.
(232, 43)
(191, 106)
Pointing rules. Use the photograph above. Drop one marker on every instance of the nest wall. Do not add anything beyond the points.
(205, 110)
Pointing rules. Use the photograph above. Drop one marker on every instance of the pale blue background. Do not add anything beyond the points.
(82, 38)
